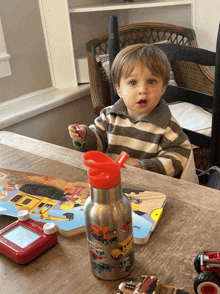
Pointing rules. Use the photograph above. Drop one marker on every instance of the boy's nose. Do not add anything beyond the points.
(143, 89)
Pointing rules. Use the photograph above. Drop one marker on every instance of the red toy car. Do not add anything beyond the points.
(207, 265)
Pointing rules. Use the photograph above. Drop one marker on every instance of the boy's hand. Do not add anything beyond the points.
(77, 133)
(136, 165)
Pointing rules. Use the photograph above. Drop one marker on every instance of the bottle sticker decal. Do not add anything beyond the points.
(123, 248)
(127, 226)
(126, 263)
(101, 268)
(96, 252)
(104, 234)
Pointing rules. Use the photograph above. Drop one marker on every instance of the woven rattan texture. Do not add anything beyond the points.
(202, 158)
(186, 74)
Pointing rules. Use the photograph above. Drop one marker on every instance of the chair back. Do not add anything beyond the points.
(142, 33)
(176, 93)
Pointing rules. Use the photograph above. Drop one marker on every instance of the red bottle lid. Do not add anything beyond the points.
(104, 173)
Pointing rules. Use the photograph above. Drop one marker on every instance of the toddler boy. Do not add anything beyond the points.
(140, 122)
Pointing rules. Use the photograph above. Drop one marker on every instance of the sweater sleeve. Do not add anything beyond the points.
(173, 154)
(96, 135)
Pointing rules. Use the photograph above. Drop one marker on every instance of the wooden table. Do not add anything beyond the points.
(190, 224)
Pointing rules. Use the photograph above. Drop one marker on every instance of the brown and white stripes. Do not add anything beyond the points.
(156, 141)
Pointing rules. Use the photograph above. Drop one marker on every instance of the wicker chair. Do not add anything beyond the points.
(187, 74)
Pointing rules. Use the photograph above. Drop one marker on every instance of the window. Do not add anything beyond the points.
(26, 201)
(4, 57)
(16, 198)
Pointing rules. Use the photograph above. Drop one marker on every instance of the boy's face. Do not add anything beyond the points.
(141, 91)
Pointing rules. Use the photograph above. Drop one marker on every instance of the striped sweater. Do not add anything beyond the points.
(156, 141)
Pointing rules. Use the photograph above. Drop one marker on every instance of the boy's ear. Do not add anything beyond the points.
(164, 89)
(117, 88)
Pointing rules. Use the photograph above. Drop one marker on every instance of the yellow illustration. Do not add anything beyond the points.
(3, 194)
(70, 203)
(155, 214)
(36, 205)
(123, 248)
(146, 201)
(135, 206)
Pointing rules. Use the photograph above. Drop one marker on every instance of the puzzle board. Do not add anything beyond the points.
(62, 202)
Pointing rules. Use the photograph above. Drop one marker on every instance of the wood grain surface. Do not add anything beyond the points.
(189, 224)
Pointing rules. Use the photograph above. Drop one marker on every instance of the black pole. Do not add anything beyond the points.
(213, 181)
(215, 154)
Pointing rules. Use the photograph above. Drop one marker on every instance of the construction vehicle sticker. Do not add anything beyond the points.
(123, 248)
(104, 234)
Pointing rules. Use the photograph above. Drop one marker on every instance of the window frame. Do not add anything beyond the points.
(5, 69)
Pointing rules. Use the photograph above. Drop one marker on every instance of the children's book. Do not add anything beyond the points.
(62, 202)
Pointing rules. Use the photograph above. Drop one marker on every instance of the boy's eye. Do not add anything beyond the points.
(132, 83)
(152, 81)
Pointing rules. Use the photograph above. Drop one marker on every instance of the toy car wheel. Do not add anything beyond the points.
(206, 283)
(197, 264)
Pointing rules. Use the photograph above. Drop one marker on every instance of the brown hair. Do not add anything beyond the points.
(147, 54)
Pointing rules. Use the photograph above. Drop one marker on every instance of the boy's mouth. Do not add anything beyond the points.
(142, 102)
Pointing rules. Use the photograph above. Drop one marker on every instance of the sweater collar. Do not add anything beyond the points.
(155, 117)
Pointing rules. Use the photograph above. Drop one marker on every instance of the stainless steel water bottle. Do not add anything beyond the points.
(108, 218)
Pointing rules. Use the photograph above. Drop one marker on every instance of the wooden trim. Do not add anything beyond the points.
(35, 103)
(58, 39)
(193, 14)
(5, 69)
(133, 5)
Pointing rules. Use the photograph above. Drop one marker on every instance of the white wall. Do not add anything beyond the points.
(176, 15)
(51, 126)
(24, 38)
(207, 17)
